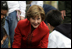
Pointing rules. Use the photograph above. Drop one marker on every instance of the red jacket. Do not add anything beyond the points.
(37, 39)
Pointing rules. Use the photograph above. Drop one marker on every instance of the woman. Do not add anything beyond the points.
(32, 32)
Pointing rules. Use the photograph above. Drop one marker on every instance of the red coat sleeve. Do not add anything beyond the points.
(17, 37)
(44, 41)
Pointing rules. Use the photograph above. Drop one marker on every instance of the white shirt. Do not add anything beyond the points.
(58, 40)
(40, 3)
(17, 5)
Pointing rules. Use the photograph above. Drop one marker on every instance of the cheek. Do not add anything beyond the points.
(31, 21)
(48, 26)
(39, 21)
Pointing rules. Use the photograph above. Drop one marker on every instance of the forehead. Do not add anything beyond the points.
(37, 16)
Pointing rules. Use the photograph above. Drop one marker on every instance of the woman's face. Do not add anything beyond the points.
(35, 22)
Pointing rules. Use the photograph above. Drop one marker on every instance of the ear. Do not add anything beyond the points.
(48, 24)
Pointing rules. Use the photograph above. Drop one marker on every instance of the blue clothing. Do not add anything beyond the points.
(10, 25)
(47, 8)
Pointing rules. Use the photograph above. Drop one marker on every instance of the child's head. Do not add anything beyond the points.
(53, 19)
(35, 15)
(4, 9)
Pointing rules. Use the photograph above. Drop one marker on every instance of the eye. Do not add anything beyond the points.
(33, 18)
(38, 18)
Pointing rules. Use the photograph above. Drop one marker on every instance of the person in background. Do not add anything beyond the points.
(40, 3)
(60, 36)
(35, 33)
(4, 10)
(11, 20)
(47, 8)
(3, 35)
(65, 8)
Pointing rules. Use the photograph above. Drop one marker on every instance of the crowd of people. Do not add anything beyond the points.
(42, 26)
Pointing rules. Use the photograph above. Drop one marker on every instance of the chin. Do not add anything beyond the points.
(35, 26)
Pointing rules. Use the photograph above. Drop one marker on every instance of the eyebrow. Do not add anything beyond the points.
(35, 16)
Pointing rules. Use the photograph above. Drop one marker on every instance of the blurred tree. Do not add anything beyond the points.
(53, 3)
(28, 2)
(47, 2)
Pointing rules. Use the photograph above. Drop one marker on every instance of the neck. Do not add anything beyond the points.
(52, 28)
(32, 28)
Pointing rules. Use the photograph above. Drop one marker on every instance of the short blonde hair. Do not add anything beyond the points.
(35, 10)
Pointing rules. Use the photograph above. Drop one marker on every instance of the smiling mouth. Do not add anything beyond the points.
(35, 24)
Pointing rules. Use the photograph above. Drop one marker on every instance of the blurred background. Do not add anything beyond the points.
(53, 3)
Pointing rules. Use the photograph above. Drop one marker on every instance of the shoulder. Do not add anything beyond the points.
(54, 35)
(23, 23)
(44, 27)
(59, 39)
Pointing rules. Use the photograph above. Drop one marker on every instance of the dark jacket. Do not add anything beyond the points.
(3, 32)
(3, 21)
(64, 29)
(47, 8)
(65, 5)
(2, 29)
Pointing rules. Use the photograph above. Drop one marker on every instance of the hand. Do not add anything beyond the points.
(63, 12)
(22, 18)
(2, 42)
(4, 38)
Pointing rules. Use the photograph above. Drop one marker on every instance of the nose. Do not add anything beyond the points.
(35, 21)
